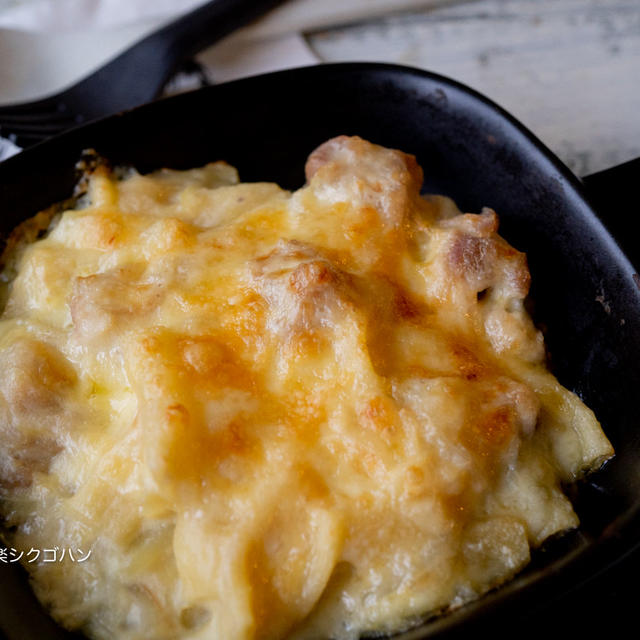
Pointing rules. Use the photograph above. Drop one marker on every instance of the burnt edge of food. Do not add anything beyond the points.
(38, 226)
(90, 161)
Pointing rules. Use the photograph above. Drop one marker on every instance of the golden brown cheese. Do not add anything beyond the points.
(271, 414)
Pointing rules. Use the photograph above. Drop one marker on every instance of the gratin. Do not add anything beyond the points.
(272, 414)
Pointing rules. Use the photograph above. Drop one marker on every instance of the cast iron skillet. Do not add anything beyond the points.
(585, 289)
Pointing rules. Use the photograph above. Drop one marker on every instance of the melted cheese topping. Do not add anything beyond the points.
(272, 414)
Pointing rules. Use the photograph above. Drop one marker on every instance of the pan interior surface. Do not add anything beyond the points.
(583, 288)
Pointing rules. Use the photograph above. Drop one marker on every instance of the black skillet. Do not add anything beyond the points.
(586, 292)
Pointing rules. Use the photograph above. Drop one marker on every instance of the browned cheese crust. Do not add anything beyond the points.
(272, 414)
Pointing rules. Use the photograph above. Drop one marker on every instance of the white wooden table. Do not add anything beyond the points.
(567, 69)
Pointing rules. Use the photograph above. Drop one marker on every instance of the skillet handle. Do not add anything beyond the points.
(162, 52)
(614, 195)
(205, 25)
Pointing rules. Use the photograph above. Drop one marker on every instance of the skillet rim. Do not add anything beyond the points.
(604, 552)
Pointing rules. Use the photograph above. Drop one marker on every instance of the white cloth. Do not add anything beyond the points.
(7, 149)
(292, 16)
(72, 15)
